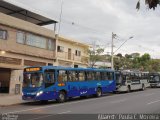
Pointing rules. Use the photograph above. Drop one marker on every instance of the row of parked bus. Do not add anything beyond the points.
(61, 83)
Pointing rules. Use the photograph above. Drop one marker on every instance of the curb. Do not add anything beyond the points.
(11, 104)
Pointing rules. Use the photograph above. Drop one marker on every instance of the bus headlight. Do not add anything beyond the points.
(39, 93)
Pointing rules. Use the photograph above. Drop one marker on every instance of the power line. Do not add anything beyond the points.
(82, 26)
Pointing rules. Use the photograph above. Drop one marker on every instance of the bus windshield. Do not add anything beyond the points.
(154, 79)
(32, 80)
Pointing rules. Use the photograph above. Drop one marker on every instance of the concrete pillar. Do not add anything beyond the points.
(16, 81)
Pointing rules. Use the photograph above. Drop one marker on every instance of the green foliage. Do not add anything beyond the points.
(129, 61)
(95, 55)
(119, 55)
(150, 3)
(154, 65)
(128, 56)
(144, 62)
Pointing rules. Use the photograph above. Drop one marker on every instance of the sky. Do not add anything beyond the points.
(93, 21)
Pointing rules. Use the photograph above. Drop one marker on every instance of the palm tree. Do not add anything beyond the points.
(150, 3)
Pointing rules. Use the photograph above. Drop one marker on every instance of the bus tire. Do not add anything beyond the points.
(99, 92)
(61, 97)
(129, 88)
(143, 87)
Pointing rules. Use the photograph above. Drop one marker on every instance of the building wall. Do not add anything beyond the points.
(26, 26)
(80, 60)
(11, 45)
(17, 56)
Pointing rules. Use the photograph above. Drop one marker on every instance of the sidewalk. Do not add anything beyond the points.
(6, 99)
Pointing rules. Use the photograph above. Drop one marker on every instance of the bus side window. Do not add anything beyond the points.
(106, 75)
(73, 75)
(49, 77)
(128, 77)
(90, 76)
(81, 76)
(62, 77)
(110, 75)
(98, 76)
(102, 76)
(76, 75)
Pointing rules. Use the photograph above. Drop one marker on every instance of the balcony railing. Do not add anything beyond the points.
(73, 57)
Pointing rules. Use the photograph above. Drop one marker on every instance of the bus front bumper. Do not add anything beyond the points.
(28, 98)
(121, 88)
(44, 96)
(155, 84)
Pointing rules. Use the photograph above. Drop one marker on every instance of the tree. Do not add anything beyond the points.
(146, 57)
(128, 56)
(154, 65)
(150, 3)
(119, 55)
(95, 55)
(134, 55)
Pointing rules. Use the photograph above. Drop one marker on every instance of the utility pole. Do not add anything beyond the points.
(58, 31)
(112, 54)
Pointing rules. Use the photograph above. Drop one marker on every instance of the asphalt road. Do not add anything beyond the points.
(147, 101)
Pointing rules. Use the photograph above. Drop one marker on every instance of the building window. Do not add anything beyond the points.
(36, 41)
(50, 44)
(50, 64)
(78, 53)
(20, 37)
(3, 34)
(60, 49)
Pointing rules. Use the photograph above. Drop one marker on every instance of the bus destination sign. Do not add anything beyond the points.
(32, 69)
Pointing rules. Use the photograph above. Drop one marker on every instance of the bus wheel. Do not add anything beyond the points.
(61, 97)
(99, 92)
(143, 87)
(128, 89)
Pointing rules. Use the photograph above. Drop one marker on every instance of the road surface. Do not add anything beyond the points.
(146, 102)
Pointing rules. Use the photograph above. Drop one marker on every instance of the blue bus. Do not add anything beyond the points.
(60, 83)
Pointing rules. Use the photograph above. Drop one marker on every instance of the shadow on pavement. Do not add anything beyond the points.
(37, 103)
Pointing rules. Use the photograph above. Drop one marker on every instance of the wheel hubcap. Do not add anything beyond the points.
(61, 96)
(99, 93)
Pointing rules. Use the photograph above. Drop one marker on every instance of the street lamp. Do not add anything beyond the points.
(3, 52)
(112, 53)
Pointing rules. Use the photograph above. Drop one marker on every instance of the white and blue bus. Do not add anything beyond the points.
(59, 83)
(154, 80)
(127, 81)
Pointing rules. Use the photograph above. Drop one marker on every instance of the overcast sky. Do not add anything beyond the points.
(92, 21)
